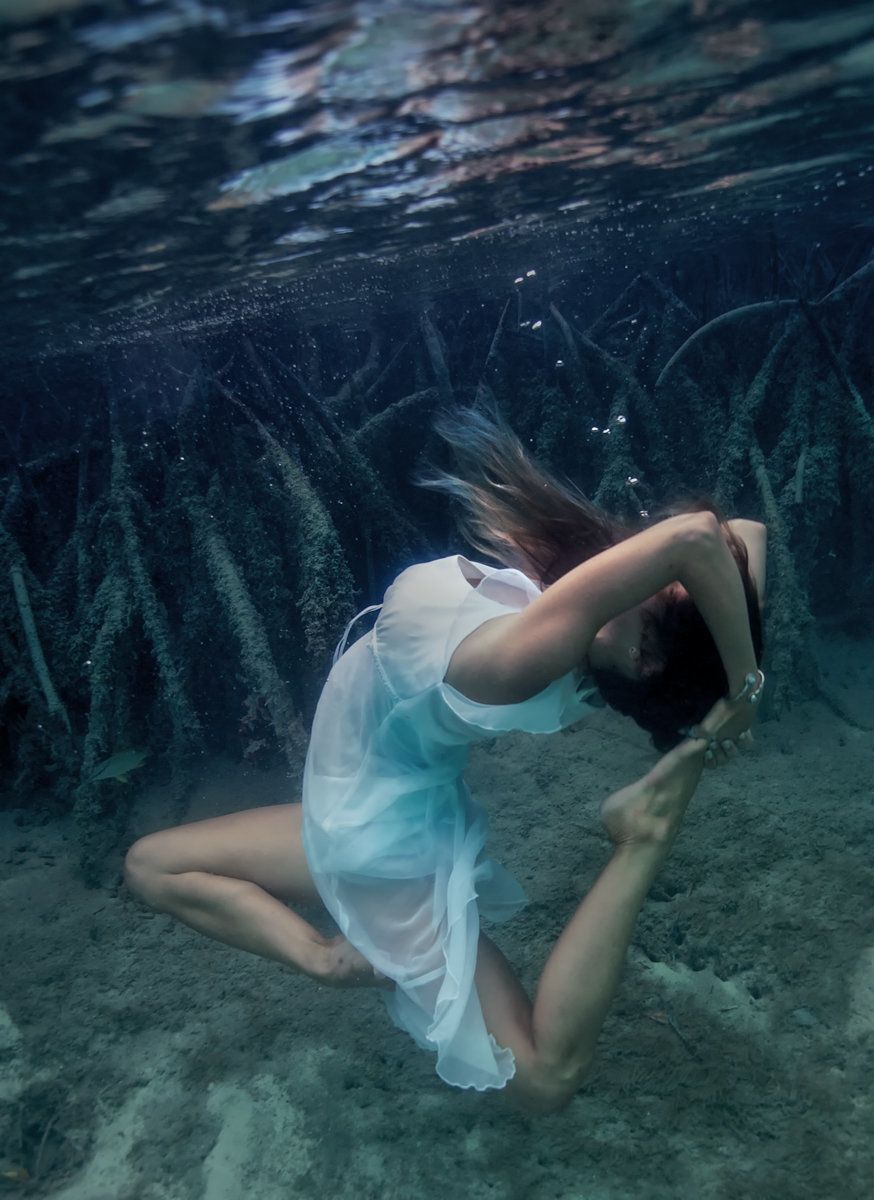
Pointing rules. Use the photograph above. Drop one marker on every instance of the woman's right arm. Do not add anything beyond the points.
(553, 634)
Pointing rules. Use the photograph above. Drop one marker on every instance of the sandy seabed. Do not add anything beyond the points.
(139, 1061)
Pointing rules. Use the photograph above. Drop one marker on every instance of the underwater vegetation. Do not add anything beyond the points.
(181, 549)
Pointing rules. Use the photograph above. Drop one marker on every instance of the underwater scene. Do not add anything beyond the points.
(437, 600)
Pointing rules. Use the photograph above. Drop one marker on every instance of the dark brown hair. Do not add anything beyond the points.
(512, 509)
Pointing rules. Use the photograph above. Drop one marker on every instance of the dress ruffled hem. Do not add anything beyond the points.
(452, 1024)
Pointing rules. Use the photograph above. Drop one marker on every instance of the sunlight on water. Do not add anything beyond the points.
(399, 132)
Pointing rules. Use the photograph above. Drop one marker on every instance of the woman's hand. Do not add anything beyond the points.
(725, 730)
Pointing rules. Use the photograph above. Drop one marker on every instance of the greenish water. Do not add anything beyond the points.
(250, 251)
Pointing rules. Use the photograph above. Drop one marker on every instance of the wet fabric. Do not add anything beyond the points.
(393, 837)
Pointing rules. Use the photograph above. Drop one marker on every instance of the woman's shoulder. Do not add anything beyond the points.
(460, 574)
(434, 605)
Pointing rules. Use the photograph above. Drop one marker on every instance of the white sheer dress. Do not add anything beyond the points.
(392, 835)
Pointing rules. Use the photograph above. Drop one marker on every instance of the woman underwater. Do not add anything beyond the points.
(663, 625)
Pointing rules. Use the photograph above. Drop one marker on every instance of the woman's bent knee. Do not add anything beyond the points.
(541, 1100)
(142, 871)
(544, 1092)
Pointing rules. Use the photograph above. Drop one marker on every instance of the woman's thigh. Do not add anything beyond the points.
(261, 845)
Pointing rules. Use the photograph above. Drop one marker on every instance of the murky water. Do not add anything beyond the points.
(249, 252)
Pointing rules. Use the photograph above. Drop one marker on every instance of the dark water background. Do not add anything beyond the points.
(185, 165)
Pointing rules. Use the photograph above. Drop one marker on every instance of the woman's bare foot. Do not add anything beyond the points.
(345, 967)
(650, 811)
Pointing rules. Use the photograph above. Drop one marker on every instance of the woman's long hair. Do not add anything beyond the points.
(513, 510)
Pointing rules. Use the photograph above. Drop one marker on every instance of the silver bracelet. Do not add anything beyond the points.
(752, 688)
(751, 691)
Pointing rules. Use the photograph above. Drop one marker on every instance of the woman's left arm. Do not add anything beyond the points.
(754, 535)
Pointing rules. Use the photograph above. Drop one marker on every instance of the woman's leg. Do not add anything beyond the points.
(554, 1039)
(230, 878)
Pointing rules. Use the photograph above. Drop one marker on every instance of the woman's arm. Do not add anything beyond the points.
(754, 535)
(553, 634)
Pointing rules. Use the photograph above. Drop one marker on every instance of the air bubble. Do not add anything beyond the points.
(519, 279)
(536, 324)
(620, 420)
(644, 512)
(528, 274)
(595, 429)
(632, 479)
(559, 362)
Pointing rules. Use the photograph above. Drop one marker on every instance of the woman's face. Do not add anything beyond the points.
(629, 643)
(617, 646)
(651, 657)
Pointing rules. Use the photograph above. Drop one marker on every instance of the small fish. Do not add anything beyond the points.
(664, 1018)
(118, 766)
(661, 1017)
(15, 1174)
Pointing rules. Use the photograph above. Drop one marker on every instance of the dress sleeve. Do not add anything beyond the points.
(501, 592)
(542, 713)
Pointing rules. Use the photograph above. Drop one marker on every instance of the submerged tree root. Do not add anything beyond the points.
(188, 576)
